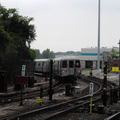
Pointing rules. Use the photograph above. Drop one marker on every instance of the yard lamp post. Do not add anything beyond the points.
(98, 62)
(119, 68)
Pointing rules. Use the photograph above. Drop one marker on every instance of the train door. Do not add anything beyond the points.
(71, 67)
(47, 69)
(64, 68)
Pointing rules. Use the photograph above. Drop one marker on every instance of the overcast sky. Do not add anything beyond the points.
(65, 25)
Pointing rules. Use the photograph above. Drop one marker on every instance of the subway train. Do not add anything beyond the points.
(41, 67)
(64, 68)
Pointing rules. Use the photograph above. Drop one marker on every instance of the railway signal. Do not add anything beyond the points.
(105, 77)
(104, 95)
(91, 89)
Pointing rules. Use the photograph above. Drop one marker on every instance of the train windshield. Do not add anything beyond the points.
(71, 64)
(64, 64)
(77, 63)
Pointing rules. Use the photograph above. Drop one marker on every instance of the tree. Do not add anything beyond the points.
(114, 54)
(48, 54)
(4, 40)
(17, 34)
(19, 29)
(38, 54)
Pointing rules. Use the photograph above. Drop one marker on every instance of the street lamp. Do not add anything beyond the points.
(119, 68)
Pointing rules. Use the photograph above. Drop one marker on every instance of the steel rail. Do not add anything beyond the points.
(63, 104)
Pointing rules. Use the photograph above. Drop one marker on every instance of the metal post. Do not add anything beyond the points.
(104, 95)
(98, 63)
(41, 92)
(50, 82)
(91, 71)
(21, 96)
(119, 68)
(91, 104)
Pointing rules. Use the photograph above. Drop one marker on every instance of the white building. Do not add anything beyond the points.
(89, 57)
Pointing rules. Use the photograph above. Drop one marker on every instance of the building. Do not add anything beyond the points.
(89, 57)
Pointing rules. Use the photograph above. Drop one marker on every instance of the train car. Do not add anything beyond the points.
(42, 67)
(67, 68)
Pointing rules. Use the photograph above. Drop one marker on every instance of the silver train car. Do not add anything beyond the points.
(41, 67)
(67, 67)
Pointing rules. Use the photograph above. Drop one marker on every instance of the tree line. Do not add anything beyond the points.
(50, 54)
(45, 54)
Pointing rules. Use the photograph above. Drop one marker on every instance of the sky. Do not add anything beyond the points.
(70, 25)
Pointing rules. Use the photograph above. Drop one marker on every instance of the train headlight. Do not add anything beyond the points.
(78, 71)
(63, 71)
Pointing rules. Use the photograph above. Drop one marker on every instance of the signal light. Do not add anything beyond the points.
(78, 71)
(105, 85)
(63, 71)
(77, 64)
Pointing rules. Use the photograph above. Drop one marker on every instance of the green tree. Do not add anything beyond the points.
(38, 54)
(4, 40)
(48, 54)
(19, 29)
(17, 33)
(114, 54)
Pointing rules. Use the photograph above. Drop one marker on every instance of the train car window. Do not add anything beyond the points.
(43, 63)
(77, 63)
(64, 64)
(71, 64)
(38, 63)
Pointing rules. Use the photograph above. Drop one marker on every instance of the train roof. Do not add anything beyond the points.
(41, 60)
(68, 58)
(61, 58)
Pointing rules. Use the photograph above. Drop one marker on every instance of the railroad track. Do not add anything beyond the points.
(16, 96)
(116, 116)
(51, 111)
